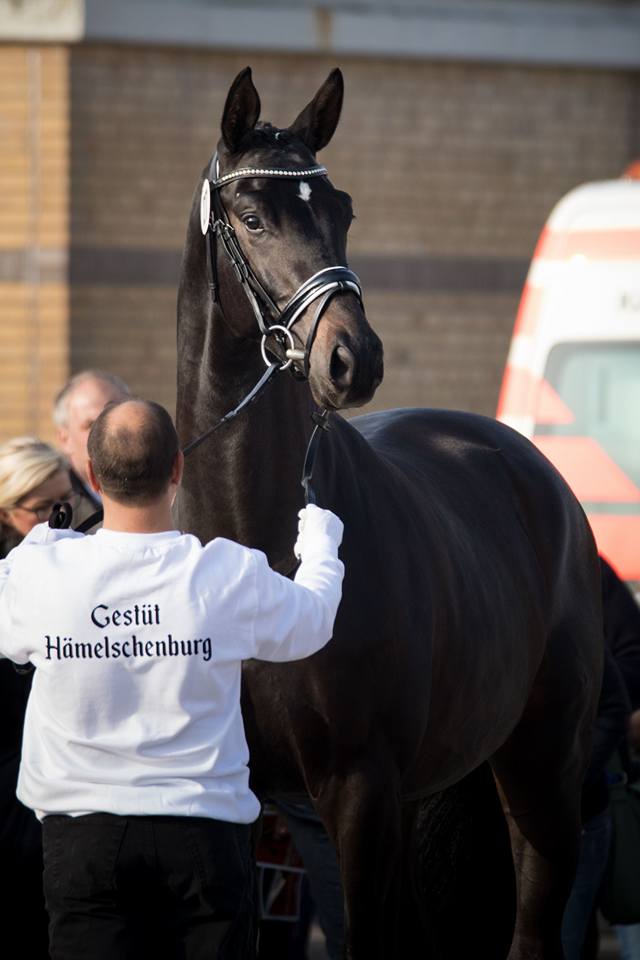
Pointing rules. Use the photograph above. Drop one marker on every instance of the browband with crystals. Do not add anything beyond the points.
(267, 172)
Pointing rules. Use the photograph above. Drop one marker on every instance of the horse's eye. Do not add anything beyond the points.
(252, 222)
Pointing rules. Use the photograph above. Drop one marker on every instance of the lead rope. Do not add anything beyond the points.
(253, 395)
(322, 425)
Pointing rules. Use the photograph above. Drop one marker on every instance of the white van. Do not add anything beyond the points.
(572, 380)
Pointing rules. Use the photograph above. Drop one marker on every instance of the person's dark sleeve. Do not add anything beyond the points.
(621, 616)
(612, 718)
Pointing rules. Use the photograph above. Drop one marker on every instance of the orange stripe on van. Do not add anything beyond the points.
(516, 392)
(618, 537)
(588, 469)
(550, 407)
(528, 311)
(521, 393)
(543, 239)
(618, 244)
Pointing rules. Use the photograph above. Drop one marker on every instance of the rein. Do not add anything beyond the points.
(272, 322)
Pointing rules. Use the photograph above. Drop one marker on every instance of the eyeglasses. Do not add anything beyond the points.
(43, 510)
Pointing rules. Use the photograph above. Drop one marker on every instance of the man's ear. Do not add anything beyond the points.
(93, 480)
(4, 517)
(177, 469)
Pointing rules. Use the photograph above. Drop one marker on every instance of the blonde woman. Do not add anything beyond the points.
(33, 476)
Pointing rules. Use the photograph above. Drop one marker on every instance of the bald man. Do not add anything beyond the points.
(134, 754)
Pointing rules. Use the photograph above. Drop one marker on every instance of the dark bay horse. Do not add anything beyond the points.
(469, 629)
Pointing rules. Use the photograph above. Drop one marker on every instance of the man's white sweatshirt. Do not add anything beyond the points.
(137, 640)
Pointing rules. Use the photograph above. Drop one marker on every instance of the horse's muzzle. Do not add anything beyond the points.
(355, 371)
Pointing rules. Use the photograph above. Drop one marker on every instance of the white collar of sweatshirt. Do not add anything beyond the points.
(138, 641)
(121, 539)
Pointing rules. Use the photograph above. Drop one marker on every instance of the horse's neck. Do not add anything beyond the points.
(243, 482)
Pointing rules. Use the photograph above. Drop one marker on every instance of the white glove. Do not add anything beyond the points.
(317, 529)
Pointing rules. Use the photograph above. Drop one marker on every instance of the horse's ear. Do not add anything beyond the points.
(241, 111)
(317, 123)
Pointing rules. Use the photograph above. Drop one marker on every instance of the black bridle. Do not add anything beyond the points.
(273, 323)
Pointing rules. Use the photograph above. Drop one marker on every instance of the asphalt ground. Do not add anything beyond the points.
(608, 944)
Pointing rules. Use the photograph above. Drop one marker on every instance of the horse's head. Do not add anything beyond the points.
(291, 226)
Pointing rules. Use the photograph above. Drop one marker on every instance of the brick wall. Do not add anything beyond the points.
(453, 170)
(34, 235)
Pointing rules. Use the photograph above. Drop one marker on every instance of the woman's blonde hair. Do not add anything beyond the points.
(25, 463)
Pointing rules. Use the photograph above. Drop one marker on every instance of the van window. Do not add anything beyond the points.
(599, 383)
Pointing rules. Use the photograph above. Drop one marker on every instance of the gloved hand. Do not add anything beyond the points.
(318, 529)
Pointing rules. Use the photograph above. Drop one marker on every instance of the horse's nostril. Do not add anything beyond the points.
(341, 366)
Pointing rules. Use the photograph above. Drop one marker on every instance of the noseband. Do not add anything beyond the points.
(273, 323)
